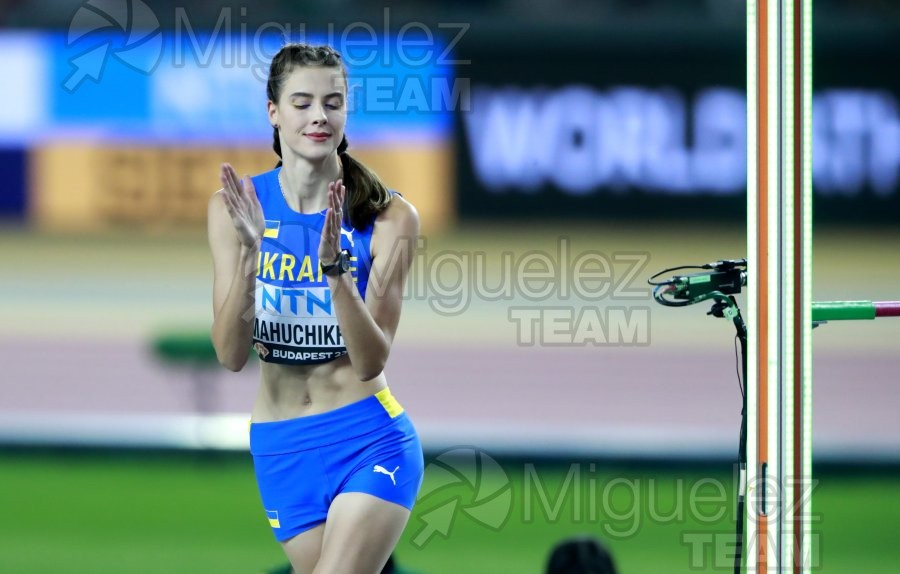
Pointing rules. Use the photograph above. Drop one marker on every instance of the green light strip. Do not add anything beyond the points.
(751, 387)
(787, 303)
(773, 244)
(806, 446)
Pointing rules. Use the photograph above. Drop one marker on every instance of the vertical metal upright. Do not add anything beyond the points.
(779, 253)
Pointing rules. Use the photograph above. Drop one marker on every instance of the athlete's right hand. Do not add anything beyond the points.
(243, 206)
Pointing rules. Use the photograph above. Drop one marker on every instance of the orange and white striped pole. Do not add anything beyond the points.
(779, 253)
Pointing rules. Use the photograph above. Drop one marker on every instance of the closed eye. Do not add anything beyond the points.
(329, 106)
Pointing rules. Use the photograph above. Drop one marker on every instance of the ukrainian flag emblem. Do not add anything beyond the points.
(273, 518)
(272, 229)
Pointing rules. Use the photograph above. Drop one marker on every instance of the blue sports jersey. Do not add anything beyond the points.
(295, 319)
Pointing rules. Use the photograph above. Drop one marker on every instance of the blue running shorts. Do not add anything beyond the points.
(302, 464)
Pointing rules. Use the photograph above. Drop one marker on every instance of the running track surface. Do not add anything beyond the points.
(609, 402)
(79, 314)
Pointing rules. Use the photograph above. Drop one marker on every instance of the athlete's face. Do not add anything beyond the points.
(311, 111)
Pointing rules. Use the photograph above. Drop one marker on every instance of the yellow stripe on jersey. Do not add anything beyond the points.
(389, 403)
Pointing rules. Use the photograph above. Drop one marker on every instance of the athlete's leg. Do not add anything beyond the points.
(360, 534)
(303, 550)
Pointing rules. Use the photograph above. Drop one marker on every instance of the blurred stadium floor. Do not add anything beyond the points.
(98, 512)
(79, 314)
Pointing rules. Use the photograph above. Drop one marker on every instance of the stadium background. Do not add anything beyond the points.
(523, 135)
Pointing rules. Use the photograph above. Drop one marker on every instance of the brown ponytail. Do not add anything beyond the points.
(276, 145)
(367, 195)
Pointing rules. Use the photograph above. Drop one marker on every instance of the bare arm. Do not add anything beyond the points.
(235, 235)
(368, 327)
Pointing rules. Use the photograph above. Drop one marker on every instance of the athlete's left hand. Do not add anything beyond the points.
(330, 242)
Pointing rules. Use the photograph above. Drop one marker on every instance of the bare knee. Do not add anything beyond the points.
(304, 566)
(304, 550)
(349, 567)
